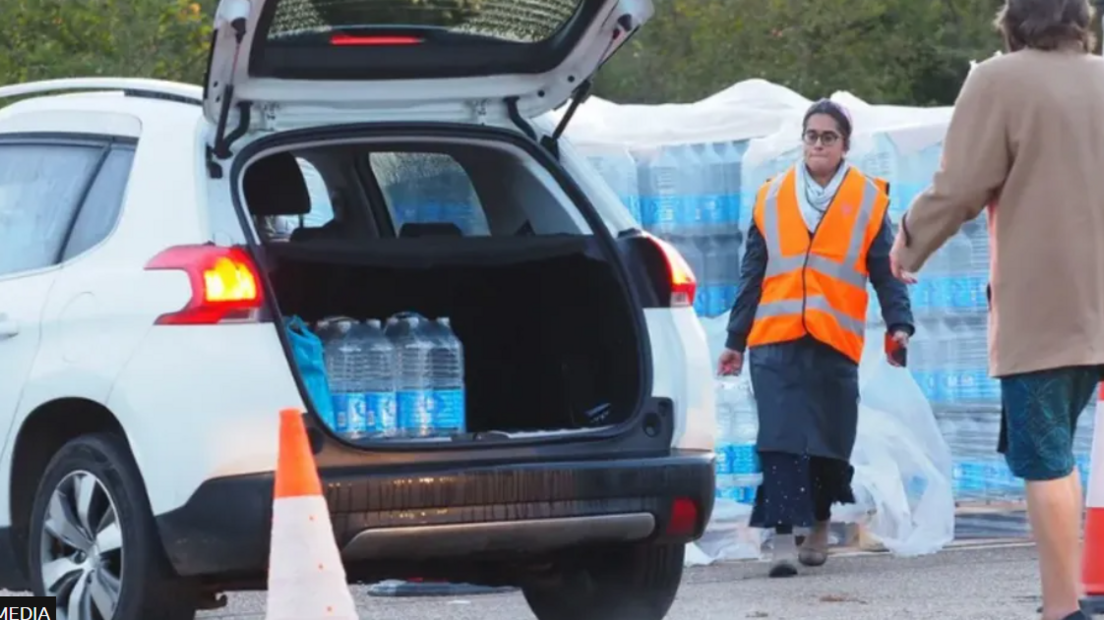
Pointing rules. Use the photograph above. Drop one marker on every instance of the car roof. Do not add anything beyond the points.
(62, 113)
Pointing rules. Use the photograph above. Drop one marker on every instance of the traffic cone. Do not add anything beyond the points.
(1092, 574)
(306, 579)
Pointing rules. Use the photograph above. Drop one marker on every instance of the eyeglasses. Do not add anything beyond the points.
(827, 138)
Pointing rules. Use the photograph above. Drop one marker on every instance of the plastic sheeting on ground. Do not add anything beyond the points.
(903, 471)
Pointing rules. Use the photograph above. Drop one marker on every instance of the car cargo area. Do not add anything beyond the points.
(546, 326)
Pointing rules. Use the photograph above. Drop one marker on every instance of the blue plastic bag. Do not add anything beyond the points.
(308, 351)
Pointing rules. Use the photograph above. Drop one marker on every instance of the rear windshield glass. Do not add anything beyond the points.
(522, 21)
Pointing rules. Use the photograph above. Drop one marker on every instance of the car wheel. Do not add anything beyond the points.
(637, 582)
(93, 542)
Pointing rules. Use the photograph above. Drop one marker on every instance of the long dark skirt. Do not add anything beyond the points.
(799, 490)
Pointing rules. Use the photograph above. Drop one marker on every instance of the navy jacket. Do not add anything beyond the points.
(892, 294)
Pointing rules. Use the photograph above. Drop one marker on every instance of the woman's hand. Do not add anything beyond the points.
(902, 340)
(895, 261)
(731, 363)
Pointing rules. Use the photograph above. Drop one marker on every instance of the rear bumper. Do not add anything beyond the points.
(465, 513)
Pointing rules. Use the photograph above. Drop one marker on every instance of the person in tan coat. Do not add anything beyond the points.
(1026, 143)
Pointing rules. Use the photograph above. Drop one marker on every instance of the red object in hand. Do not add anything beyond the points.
(895, 350)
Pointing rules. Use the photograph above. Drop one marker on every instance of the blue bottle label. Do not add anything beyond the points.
(712, 210)
(447, 409)
(722, 463)
(381, 412)
(414, 412)
(921, 295)
(962, 293)
(941, 293)
(350, 410)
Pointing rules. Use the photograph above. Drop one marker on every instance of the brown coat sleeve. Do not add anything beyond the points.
(976, 159)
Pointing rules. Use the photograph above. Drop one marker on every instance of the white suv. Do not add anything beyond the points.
(155, 237)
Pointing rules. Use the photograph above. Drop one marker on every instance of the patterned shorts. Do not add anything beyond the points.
(1039, 418)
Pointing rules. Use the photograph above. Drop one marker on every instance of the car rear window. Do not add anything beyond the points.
(524, 21)
(405, 39)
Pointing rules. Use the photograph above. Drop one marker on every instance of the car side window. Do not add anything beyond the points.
(429, 188)
(40, 187)
(100, 210)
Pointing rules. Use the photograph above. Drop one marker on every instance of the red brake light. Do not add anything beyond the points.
(684, 518)
(225, 284)
(683, 283)
(352, 40)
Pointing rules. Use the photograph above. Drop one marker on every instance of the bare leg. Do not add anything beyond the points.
(1054, 507)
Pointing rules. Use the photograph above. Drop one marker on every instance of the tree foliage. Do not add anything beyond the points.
(910, 52)
(42, 39)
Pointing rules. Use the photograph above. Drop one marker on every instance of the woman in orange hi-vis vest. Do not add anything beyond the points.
(819, 234)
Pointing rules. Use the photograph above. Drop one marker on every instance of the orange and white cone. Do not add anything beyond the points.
(1092, 574)
(306, 579)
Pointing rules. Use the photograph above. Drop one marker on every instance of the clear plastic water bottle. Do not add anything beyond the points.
(345, 361)
(973, 348)
(941, 377)
(412, 385)
(940, 287)
(660, 198)
(710, 284)
(379, 380)
(690, 189)
(959, 250)
(731, 155)
(727, 274)
(617, 167)
(711, 191)
(977, 233)
(956, 370)
(446, 376)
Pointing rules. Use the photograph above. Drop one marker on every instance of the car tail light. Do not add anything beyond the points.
(684, 518)
(683, 283)
(225, 284)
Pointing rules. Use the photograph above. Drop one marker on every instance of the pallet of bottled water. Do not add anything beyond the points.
(399, 378)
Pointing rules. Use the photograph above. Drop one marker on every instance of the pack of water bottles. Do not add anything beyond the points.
(738, 469)
(399, 378)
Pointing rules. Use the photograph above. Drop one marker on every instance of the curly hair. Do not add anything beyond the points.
(1046, 24)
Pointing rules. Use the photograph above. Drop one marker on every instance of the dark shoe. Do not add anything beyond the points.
(783, 569)
(812, 557)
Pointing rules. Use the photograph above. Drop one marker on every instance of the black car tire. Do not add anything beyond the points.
(150, 589)
(632, 582)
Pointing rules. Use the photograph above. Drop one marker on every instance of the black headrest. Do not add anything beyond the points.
(430, 229)
(275, 186)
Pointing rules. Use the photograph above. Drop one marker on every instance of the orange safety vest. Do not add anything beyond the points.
(815, 283)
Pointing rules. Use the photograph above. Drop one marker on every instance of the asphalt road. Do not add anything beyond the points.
(958, 584)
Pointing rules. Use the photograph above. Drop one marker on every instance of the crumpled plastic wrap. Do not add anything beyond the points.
(903, 471)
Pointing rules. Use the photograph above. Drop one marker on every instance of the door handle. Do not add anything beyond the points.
(8, 327)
